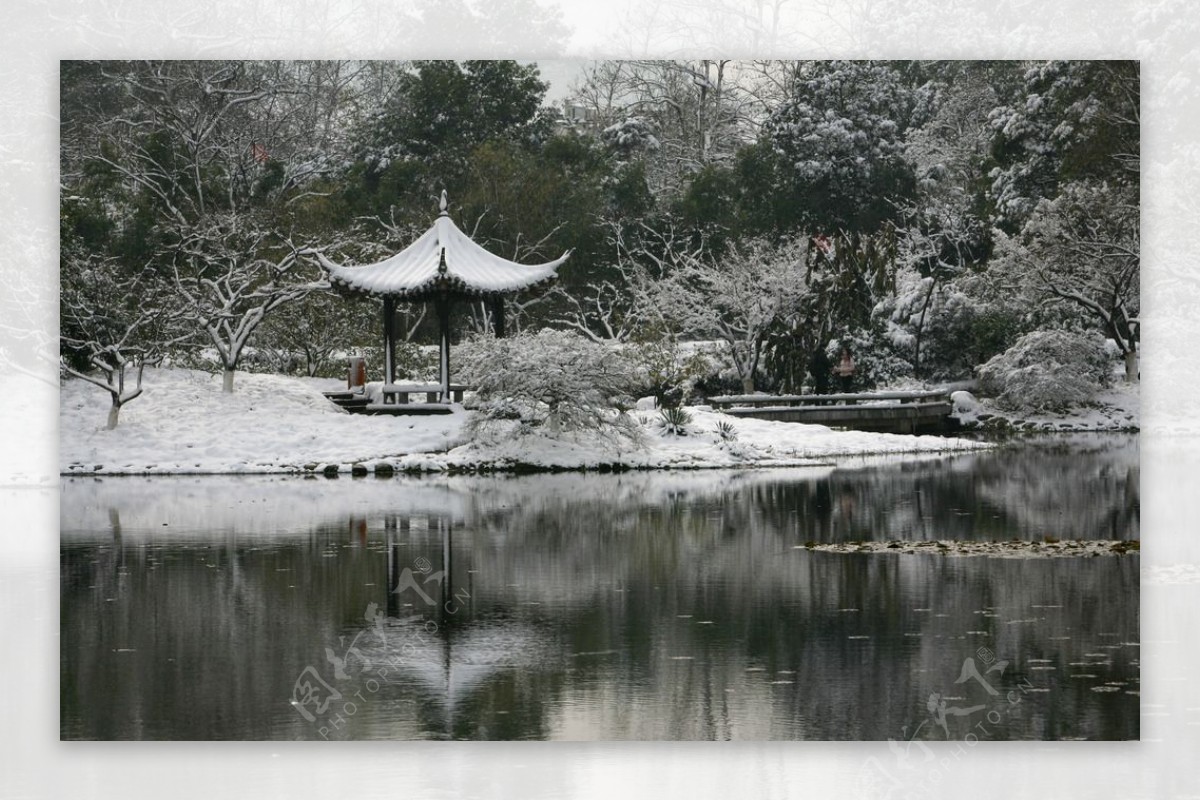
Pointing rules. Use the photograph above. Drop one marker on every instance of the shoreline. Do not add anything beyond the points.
(1009, 549)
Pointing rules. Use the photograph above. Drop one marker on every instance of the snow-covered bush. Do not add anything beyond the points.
(674, 422)
(1047, 370)
(965, 407)
(552, 380)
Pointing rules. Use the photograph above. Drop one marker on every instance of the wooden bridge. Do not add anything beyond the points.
(918, 412)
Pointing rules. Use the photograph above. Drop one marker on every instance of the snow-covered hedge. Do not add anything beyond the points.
(1047, 370)
(555, 380)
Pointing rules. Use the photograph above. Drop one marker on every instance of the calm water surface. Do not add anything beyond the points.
(633, 606)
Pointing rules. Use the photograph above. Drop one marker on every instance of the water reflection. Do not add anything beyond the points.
(649, 606)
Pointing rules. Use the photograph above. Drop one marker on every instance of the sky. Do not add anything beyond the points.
(560, 74)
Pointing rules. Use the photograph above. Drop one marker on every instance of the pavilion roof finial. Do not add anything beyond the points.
(442, 204)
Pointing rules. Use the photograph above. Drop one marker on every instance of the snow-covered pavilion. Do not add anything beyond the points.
(442, 265)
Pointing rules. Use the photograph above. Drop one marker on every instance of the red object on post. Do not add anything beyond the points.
(356, 377)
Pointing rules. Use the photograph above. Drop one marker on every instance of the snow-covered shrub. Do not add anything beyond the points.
(552, 380)
(1047, 370)
(965, 407)
(675, 421)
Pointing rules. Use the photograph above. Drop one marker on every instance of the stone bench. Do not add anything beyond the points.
(399, 393)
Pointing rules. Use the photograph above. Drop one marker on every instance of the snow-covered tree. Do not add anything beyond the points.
(194, 167)
(840, 142)
(304, 337)
(1047, 370)
(937, 241)
(231, 275)
(1081, 249)
(625, 301)
(112, 327)
(737, 298)
(1067, 121)
(675, 115)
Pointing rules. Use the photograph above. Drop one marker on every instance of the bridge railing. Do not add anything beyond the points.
(845, 399)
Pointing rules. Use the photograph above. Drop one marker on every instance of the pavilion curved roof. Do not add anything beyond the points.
(442, 259)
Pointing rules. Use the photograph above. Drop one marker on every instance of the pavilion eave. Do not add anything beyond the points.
(441, 287)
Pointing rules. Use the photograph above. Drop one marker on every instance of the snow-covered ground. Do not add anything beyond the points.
(184, 423)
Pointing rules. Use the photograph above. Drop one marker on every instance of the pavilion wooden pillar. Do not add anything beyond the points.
(443, 312)
(498, 316)
(389, 340)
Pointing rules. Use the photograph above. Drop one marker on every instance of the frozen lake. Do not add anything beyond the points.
(649, 605)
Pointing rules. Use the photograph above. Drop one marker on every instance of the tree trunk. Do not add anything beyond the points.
(113, 413)
(748, 385)
(227, 380)
(1131, 366)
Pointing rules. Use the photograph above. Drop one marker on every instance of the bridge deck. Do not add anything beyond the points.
(895, 412)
